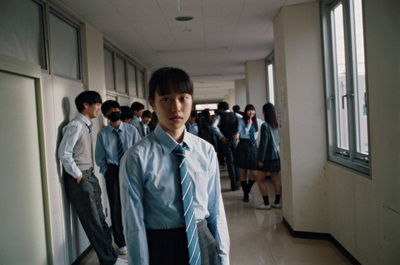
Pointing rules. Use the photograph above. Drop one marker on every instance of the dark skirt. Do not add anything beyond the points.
(246, 155)
(273, 165)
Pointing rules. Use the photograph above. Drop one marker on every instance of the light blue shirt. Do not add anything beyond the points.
(216, 123)
(135, 122)
(72, 132)
(194, 129)
(151, 197)
(244, 129)
(106, 146)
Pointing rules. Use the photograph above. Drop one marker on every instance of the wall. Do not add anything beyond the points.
(365, 213)
(256, 92)
(68, 238)
(240, 90)
(300, 105)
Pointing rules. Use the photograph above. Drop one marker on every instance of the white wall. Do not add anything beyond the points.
(300, 106)
(256, 92)
(240, 90)
(365, 213)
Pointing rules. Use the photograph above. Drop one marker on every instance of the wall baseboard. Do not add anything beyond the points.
(82, 255)
(322, 236)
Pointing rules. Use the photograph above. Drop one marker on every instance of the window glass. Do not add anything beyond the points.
(271, 83)
(340, 77)
(132, 80)
(140, 83)
(108, 67)
(120, 74)
(22, 31)
(64, 48)
(361, 94)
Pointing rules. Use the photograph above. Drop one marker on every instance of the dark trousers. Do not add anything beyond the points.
(169, 247)
(85, 197)
(234, 175)
(112, 183)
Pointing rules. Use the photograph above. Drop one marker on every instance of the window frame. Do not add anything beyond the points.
(350, 158)
(55, 11)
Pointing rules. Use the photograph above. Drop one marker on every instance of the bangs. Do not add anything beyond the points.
(170, 79)
(249, 107)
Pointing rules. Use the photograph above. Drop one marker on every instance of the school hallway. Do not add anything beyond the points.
(260, 237)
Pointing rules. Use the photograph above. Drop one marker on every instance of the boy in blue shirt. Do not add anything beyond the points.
(108, 154)
(151, 179)
(81, 185)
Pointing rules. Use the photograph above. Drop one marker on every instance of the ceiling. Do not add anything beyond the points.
(213, 47)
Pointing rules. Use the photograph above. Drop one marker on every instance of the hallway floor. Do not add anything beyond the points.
(259, 236)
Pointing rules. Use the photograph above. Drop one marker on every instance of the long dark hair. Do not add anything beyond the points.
(246, 117)
(270, 115)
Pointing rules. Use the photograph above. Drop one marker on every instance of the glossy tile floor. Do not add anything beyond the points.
(259, 237)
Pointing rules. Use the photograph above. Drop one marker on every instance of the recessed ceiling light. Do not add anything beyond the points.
(184, 18)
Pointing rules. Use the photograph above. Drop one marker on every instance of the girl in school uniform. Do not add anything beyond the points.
(269, 158)
(246, 152)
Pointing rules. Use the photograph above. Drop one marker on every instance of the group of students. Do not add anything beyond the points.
(247, 163)
(164, 189)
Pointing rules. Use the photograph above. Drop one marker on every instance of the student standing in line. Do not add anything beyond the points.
(247, 151)
(81, 185)
(193, 128)
(138, 109)
(112, 142)
(269, 158)
(126, 114)
(144, 124)
(158, 183)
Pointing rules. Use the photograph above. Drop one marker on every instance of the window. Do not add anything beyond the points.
(140, 83)
(347, 105)
(124, 77)
(270, 74)
(22, 31)
(120, 74)
(108, 68)
(132, 80)
(65, 50)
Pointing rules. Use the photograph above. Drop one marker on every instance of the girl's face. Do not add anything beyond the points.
(173, 110)
(251, 113)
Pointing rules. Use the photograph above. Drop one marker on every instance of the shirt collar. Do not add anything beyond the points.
(85, 119)
(122, 126)
(168, 143)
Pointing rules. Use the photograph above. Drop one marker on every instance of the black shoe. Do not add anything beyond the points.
(246, 197)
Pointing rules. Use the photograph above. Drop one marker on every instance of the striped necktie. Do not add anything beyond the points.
(188, 209)
(144, 131)
(252, 139)
(89, 128)
(120, 148)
